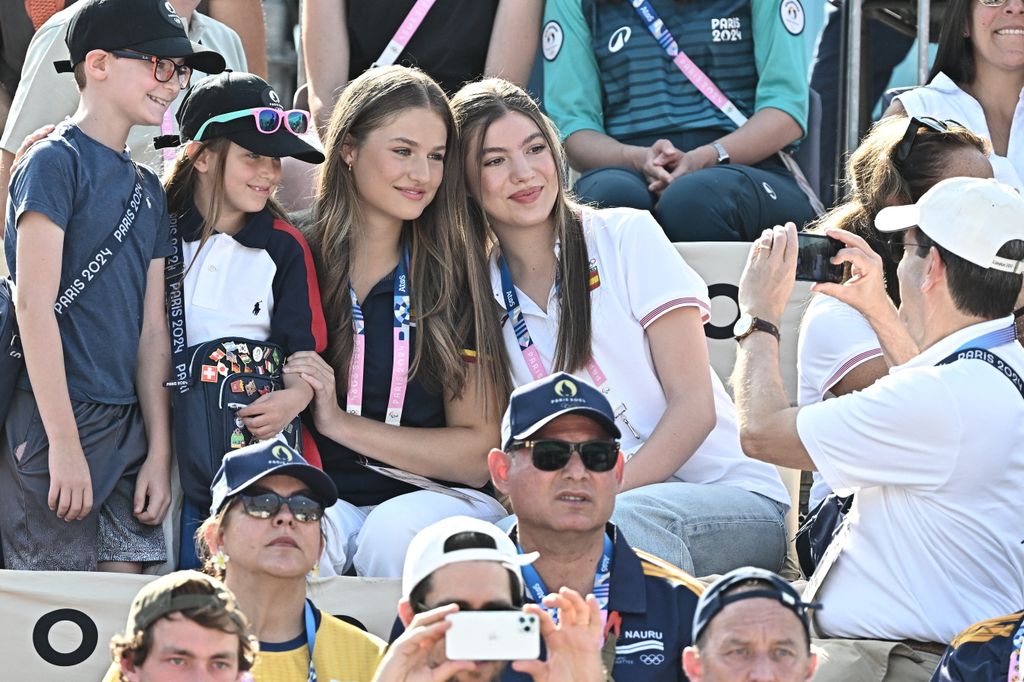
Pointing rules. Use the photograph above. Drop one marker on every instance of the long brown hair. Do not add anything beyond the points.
(439, 280)
(875, 178)
(477, 106)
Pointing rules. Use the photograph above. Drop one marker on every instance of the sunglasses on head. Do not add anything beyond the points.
(163, 68)
(267, 120)
(906, 145)
(264, 505)
(552, 455)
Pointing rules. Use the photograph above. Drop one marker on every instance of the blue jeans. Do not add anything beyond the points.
(704, 528)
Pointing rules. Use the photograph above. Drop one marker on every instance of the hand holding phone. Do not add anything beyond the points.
(492, 636)
(814, 258)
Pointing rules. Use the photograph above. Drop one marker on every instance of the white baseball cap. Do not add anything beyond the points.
(429, 550)
(971, 217)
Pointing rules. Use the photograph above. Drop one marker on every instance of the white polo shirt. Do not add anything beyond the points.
(45, 96)
(936, 455)
(834, 339)
(943, 99)
(639, 277)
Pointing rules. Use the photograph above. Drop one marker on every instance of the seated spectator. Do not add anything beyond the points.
(464, 564)
(761, 631)
(457, 41)
(263, 537)
(560, 467)
(184, 625)
(644, 136)
(45, 96)
(978, 79)
(934, 450)
(989, 651)
(630, 317)
(898, 161)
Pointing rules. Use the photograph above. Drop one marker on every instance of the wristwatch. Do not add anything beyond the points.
(748, 324)
(723, 153)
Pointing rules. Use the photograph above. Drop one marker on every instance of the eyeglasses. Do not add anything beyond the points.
(552, 455)
(267, 120)
(163, 68)
(265, 505)
(896, 248)
(992, 3)
(906, 145)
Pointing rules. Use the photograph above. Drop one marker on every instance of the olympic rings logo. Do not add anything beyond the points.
(652, 659)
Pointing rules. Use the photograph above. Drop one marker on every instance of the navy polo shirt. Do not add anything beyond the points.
(982, 652)
(656, 602)
(357, 484)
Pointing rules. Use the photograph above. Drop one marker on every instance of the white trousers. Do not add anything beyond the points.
(374, 538)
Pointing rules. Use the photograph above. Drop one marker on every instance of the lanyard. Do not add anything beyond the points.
(310, 639)
(991, 339)
(532, 356)
(978, 349)
(602, 582)
(404, 34)
(400, 362)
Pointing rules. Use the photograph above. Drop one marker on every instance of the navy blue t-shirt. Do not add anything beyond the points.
(84, 187)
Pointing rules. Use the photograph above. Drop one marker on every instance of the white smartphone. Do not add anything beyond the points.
(492, 636)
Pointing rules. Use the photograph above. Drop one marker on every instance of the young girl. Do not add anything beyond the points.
(603, 294)
(407, 444)
(247, 272)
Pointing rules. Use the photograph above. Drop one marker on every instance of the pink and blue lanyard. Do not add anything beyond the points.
(531, 355)
(602, 582)
(400, 361)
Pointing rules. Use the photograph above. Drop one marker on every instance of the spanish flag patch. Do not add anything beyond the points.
(594, 279)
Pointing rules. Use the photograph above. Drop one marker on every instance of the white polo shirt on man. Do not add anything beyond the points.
(936, 455)
(943, 99)
(636, 277)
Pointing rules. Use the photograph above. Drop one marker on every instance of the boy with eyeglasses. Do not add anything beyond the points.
(85, 457)
(561, 467)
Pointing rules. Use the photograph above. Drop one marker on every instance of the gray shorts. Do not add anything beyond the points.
(113, 438)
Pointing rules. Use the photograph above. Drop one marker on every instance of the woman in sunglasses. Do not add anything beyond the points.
(839, 351)
(403, 415)
(263, 538)
(978, 79)
(602, 294)
(247, 273)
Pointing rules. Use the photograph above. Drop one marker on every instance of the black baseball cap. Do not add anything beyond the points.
(534, 405)
(773, 586)
(229, 92)
(148, 26)
(244, 467)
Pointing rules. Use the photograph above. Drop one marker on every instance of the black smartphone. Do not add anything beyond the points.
(814, 258)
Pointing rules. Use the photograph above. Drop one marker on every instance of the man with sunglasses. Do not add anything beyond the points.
(561, 467)
(934, 450)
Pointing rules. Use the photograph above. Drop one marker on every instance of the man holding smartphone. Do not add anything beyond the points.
(561, 467)
(462, 609)
(935, 449)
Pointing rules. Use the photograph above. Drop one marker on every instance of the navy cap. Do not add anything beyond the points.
(229, 92)
(534, 405)
(241, 468)
(714, 598)
(148, 26)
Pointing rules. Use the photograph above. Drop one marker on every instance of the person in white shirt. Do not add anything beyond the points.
(935, 450)
(978, 80)
(603, 295)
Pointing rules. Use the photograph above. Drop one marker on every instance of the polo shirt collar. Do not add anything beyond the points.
(528, 305)
(944, 83)
(945, 347)
(255, 234)
(627, 593)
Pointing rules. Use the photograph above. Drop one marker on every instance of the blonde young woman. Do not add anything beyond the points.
(403, 415)
(604, 295)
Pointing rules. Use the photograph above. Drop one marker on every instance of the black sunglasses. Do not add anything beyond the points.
(895, 248)
(163, 68)
(264, 505)
(906, 145)
(552, 455)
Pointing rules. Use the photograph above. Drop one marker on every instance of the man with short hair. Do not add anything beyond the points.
(561, 467)
(750, 625)
(935, 450)
(183, 626)
(465, 564)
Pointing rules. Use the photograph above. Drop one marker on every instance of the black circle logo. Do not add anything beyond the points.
(41, 637)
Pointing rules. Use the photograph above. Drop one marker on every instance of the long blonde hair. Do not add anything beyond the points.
(439, 279)
(476, 107)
